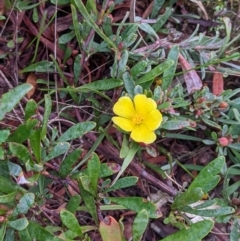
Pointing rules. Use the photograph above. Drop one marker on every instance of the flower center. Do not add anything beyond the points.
(137, 119)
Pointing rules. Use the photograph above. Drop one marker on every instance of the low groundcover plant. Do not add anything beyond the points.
(139, 116)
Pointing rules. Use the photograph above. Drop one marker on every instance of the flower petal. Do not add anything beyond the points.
(141, 133)
(124, 107)
(153, 120)
(124, 124)
(144, 105)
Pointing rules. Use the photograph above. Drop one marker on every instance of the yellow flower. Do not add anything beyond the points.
(140, 117)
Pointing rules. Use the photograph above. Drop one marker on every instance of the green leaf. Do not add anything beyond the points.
(207, 179)
(235, 146)
(25, 203)
(70, 221)
(89, 201)
(93, 167)
(59, 149)
(104, 84)
(122, 63)
(139, 68)
(195, 232)
(77, 131)
(67, 164)
(8, 198)
(108, 169)
(20, 151)
(42, 66)
(73, 203)
(213, 212)
(156, 7)
(30, 109)
(47, 112)
(132, 151)
(128, 84)
(7, 186)
(168, 74)
(39, 233)
(35, 141)
(159, 69)
(18, 224)
(137, 204)
(175, 124)
(123, 183)
(4, 135)
(10, 99)
(3, 231)
(23, 131)
(24, 235)
(188, 197)
(139, 225)
(110, 229)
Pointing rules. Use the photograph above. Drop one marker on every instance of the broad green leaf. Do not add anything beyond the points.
(235, 234)
(8, 198)
(175, 124)
(73, 203)
(104, 84)
(35, 141)
(24, 235)
(20, 151)
(23, 131)
(159, 69)
(4, 135)
(129, 37)
(137, 204)
(10, 99)
(128, 84)
(30, 109)
(139, 225)
(67, 164)
(47, 112)
(213, 212)
(108, 169)
(7, 186)
(77, 67)
(89, 201)
(132, 151)
(3, 231)
(91, 6)
(188, 197)
(77, 131)
(122, 63)
(59, 149)
(71, 222)
(65, 38)
(207, 179)
(14, 169)
(42, 66)
(39, 233)
(168, 74)
(24, 204)
(123, 183)
(195, 232)
(110, 229)
(235, 146)
(156, 7)
(139, 68)
(86, 183)
(93, 167)
(18, 224)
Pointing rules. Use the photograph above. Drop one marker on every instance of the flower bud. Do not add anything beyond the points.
(223, 141)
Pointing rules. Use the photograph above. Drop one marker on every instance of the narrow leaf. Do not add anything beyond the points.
(10, 99)
(71, 222)
(137, 204)
(77, 131)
